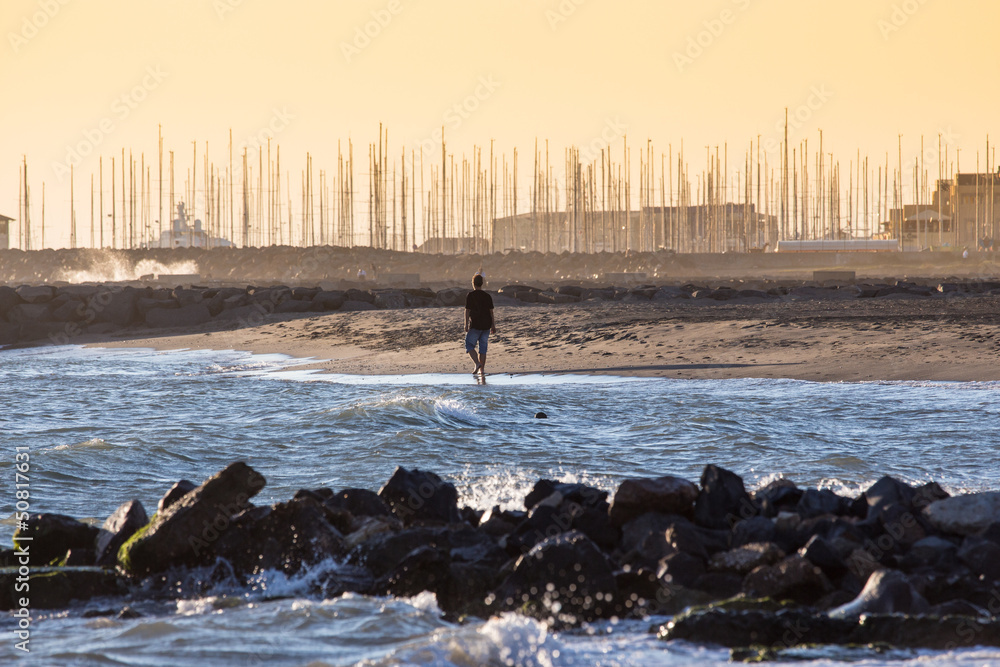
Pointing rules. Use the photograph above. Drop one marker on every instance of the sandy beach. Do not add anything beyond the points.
(894, 338)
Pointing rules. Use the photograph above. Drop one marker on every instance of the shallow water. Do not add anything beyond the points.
(105, 426)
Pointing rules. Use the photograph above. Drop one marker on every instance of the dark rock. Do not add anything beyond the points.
(752, 627)
(817, 502)
(565, 576)
(643, 541)
(52, 535)
(390, 300)
(359, 502)
(681, 569)
(793, 578)
(121, 525)
(723, 499)
(54, 588)
(885, 493)
(293, 306)
(822, 554)
(115, 306)
(581, 494)
(744, 559)
(719, 585)
(8, 299)
(420, 496)
(329, 300)
(176, 492)
(754, 529)
(79, 556)
(188, 297)
(498, 523)
(186, 316)
(285, 537)
(183, 533)
(886, 592)
(981, 556)
(667, 495)
(39, 294)
(359, 295)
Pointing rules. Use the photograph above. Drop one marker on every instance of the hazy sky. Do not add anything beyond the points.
(94, 76)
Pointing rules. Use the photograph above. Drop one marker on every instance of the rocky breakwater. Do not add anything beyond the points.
(764, 571)
(60, 314)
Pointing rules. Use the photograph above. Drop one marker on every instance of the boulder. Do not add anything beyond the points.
(545, 489)
(185, 316)
(352, 306)
(284, 537)
(966, 514)
(29, 313)
(565, 576)
(121, 525)
(743, 560)
(390, 300)
(817, 502)
(885, 592)
(792, 578)
(359, 502)
(176, 492)
(414, 495)
(722, 500)
(39, 294)
(52, 535)
(115, 306)
(8, 299)
(184, 532)
(667, 495)
(328, 300)
(55, 587)
(981, 556)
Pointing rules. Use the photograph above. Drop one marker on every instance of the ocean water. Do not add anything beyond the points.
(106, 426)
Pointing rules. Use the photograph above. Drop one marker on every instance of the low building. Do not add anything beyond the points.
(5, 232)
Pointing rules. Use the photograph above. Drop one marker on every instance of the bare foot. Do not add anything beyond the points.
(478, 371)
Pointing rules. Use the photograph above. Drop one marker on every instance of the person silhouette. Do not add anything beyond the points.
(479, 323)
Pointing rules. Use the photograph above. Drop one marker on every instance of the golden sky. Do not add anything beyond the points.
(97, 76)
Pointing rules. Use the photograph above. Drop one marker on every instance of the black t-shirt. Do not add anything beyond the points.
(479, 303)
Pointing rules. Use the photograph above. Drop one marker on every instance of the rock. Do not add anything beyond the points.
(70, 311)
(817, 502)
(121, 525)
(931, 550)
(414, 496)
(565, 576)
(667, 495)
(54, 588)
(981, 556)
(176, 492)
(680, 569)
(359, 502)
(781, 495)
(284, 537)
(188, 297)
(39, 294)
(329, 300)
(454, 296)
(793, 578)
(754, 529)
(183, 533)
(886, 592)
(966, 514)
(390, 300)
(361, 295)
(8, 299)
(824, 555)
(744, 559)
(544, 489)
(115, 306)
(885, 493)
(723, 500)
(29, 313)
(52, 535)
(186, 316)
(643, 541)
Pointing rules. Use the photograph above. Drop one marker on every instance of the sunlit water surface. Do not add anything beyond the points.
(106, 426)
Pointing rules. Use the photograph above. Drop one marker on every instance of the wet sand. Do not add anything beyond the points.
(888, 338)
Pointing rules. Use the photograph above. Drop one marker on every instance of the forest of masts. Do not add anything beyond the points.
(409, 200)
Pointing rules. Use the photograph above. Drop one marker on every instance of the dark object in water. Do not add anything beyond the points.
(541, 415)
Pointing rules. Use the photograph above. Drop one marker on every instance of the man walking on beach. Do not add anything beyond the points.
(479, 323)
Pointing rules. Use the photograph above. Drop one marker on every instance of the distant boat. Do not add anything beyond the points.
(183, 234)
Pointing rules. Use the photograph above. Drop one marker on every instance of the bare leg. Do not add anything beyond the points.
(482, 364)
(475, 360)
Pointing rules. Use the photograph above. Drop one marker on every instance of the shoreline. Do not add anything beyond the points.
(822, 340)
